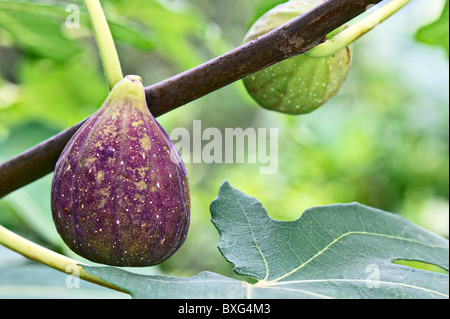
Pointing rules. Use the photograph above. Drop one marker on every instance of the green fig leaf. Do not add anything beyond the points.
(42, 30)
(335, 251)
(37, 29)
(21, 279)
(205, 285)
(436, 33)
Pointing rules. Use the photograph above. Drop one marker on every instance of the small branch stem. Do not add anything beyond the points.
(49, 258)
(105, 42)
(295, 37)
(347, 36)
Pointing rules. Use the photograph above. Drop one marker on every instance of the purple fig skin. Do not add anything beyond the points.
(120, 192)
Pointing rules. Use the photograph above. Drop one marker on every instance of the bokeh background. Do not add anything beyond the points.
(382, 141)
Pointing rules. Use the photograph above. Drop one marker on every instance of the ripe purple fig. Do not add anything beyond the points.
(120, 191)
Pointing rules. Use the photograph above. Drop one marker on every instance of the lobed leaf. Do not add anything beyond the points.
(335, 251)
(330, 251)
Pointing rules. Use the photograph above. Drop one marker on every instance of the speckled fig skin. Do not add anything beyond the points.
(300, 84)
(120, 191)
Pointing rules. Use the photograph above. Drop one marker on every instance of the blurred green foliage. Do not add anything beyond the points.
(436, 33)
(262, 7)
(382, 141)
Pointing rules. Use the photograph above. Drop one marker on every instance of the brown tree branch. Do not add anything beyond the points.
(293, 38)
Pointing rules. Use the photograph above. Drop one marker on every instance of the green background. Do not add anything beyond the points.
(382, 141)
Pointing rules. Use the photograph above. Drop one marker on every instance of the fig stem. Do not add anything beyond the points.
(105, 42)
(348, 35)
(49, 258)
(185, 87)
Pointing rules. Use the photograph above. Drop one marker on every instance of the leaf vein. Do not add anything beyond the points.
(320, 252)
(360, 281)
(254, 238)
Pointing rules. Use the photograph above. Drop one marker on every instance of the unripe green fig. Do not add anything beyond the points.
(299, 84)
(120, 191)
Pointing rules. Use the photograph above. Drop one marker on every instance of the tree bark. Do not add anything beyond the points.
(293, 38)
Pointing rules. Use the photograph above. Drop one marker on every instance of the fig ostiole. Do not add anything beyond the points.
(299, 84)
(120, 191)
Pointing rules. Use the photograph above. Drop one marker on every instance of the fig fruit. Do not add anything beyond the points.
(299, 84)
(120, 192)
